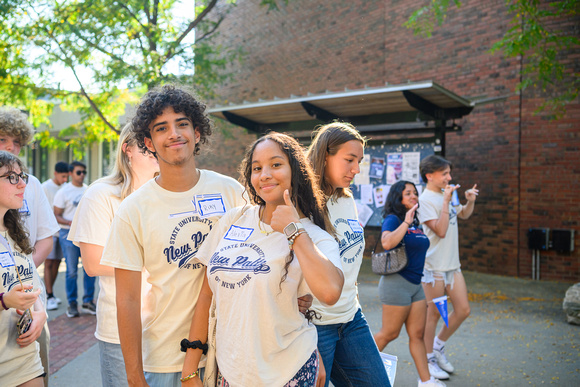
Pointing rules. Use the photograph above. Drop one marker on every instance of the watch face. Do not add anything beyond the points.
(290, 229)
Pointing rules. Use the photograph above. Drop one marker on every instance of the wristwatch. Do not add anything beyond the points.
(292, 229)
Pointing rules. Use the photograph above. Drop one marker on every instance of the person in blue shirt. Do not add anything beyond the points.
(401, 293)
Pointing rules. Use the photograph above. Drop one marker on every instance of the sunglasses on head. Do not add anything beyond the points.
(83, 172)
(14, 177)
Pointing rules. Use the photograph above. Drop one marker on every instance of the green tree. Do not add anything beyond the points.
(532, 35)
(126, 46)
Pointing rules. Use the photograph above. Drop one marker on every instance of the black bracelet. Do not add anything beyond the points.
(185, 344)
(2, 301)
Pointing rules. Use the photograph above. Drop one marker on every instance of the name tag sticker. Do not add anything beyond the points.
(6, 259)
(239, 234)
(355, 226)
(210, 205)
(24, 208)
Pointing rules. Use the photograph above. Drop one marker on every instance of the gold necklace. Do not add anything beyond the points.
(261, 213)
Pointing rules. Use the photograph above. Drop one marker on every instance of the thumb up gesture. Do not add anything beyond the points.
(284, 214)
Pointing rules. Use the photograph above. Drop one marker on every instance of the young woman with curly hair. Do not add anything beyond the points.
(259, 260)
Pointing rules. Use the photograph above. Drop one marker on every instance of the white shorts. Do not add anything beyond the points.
(429, 277)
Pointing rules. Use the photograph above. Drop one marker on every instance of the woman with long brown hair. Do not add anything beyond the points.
(20, 284)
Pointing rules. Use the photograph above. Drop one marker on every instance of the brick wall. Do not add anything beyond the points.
(524, 164)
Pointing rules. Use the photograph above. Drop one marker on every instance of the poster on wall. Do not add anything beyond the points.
(394, 167)
(380, 195)
(363, 176)
(364, 212)
(411, 161)
(377, 167)
(366, 193)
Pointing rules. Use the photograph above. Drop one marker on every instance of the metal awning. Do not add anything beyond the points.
(411, 106)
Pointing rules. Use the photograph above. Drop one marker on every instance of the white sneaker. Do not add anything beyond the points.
(51, 304)
(58, 300)
(435, 371)
(431, 383)
(442, 360)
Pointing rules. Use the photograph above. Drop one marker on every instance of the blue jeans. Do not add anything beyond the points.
(113, 372)
(350, 356)
(71, 256)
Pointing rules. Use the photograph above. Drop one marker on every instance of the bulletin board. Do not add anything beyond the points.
(383, 165)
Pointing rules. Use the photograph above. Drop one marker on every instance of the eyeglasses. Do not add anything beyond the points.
(83, 172)
(14, 177)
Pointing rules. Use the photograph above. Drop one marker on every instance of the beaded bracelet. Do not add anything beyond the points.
(2, 301)
(190, 376)
(293, 238)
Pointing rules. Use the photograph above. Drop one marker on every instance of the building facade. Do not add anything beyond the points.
(525, 164)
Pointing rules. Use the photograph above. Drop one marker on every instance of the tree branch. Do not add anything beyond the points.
(68, 63)
(47, 90)
(99, 48)
(209, 33)
(191, 26)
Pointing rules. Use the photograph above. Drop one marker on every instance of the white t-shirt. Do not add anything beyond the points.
(50, 189)
(344, 218)
(68, 198)
(37, 212)
(443, 253)
(262, 339)
(91, 224)
(17, 365)
(160, 231)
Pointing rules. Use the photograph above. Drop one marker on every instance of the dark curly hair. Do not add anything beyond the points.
(394, 205)
(305, 194)
(182, 101)
(12, 219)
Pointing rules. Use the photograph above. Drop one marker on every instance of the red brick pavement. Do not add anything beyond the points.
(69, 337)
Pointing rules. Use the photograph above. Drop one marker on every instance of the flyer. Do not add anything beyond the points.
(394, 167)
(411, 161)
(377, 167)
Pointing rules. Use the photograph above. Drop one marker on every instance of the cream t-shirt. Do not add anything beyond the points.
(91, 224)
(262, 339)
(443, 253)
(350, 234)
(17, 365)
(160, 231)
(68, 198)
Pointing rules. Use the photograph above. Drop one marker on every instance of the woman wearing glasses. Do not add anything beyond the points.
(20, 285)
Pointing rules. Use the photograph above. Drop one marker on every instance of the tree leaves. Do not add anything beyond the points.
(534, 36)
(125, 46)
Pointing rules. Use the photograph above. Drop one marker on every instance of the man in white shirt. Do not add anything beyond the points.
(160, 227)
(51, 187)
(39, 220)
(65, 205)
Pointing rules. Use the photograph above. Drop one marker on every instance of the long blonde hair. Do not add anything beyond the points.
(121, 173)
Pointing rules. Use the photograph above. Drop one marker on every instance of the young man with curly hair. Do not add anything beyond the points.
(15, 133)
(159, 228)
